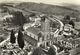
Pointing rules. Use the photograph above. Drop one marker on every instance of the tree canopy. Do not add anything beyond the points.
(51, 51)
(12, 37)
(72, 23)
(67, 17)
(20, 39)
(18, 18)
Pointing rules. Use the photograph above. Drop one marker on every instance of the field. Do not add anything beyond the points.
(48, 9)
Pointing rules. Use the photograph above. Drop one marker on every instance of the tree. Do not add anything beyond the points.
(18, 19)
(20, 39)
(67, 17)
(12, 37)
(52, 51)
(72, 23)
(1, 39)
(43, 18)
(38, 51)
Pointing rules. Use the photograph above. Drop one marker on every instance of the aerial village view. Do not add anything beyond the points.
(30, 28)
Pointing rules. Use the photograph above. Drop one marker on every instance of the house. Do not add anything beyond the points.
(33, 32)
(67, 29)
(32, 18)
(77, 25)
(8, 18)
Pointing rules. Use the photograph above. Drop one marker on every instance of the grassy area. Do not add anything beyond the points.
(47, 8)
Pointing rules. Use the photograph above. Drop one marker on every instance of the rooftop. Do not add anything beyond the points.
(75, 51)
(33, 30)
(30, 40)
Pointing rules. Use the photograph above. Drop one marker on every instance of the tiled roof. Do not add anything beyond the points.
(33, 30)
(30, 40)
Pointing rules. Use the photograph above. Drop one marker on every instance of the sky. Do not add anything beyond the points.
(77, 2)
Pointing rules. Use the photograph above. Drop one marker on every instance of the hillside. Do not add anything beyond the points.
(48, 9)
(73, 6)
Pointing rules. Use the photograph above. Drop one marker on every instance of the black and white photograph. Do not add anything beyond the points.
(39, 27)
